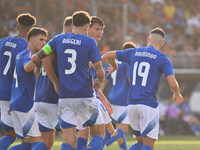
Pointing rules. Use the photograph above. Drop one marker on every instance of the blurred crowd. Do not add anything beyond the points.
(179, 18)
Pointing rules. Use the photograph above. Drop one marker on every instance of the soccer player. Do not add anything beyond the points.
(21, 105)
(46, 99)
(9, 48)
(67, 25)
(146, 67)
(95, 31)
(120, 81)
(74, 51)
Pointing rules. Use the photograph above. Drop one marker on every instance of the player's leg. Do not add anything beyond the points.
(149, 125)
(67, 120)
(47, 119)
(7, 126)
(83, 136)
(122, 140)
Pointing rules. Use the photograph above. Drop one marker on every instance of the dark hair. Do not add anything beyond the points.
(97, 20)
(26, 19)
(81, 18)
(36, 31)
(128, 44)
(158, 31)
(67, 21)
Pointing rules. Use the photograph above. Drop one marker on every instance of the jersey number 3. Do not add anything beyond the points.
(71, 60)
(142, 70)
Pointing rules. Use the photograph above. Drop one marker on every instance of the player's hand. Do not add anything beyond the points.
(110, 70)
(36, 60)
(108, 106)
(96, 84)
(178, 98)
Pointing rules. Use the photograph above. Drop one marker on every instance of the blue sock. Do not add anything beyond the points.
(193, 128)
(198, 127)
(96, 143)
(114, 138)
(123, 146)
(107, 137)
(65, 146)
(136, 146)
(22, 146)
(6, 141)
(146, 147)
(38, 145)
(81, 144)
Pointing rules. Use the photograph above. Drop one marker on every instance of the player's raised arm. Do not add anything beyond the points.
(174, 86)
(110, 57)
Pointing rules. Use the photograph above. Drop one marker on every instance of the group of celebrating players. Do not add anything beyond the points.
(58, 85)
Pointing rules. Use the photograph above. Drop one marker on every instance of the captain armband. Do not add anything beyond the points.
(41, 54)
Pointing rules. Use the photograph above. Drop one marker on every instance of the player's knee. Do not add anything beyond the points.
(85, 134)
(11, 133)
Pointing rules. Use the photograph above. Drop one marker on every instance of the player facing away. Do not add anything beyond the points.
(74, 51)
(21, 105)
(119, 90)
(95, 31)
(9, 48)
(146, 67)
(46, 99)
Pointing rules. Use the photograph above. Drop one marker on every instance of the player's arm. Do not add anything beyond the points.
(28, 67)
(105, 101)
(174, 86)
(46, 50)
(48, 67)
(110, 57)
(37, 72)
(100, 74)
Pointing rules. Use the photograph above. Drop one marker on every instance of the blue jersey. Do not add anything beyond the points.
(44, 88)
(9, 48)
(119, 85)
(23, 84)
(146, 67)
(73, 55)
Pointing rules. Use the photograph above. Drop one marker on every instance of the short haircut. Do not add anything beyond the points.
(81, 18)
(98, 20)
(36, 31)
(158, 31)
(26, 19)
(128, 45)
(68, 21)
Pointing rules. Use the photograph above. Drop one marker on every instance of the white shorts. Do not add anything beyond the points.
(144, 120)
(103, 111)
(5, 117)
(47, 115)
(25, 124)
(120, 114)
(84, 108)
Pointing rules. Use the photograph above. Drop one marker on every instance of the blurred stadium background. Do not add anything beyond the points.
(132, 20)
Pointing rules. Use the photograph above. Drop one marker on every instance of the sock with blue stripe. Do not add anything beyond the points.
(107, 137)
(123, 146)
(81, 144)
(65, 146)
(38, 146)
(114, 138)
(6, 141)
(136, 146)
(96, 143)
(146, 147)
(22, 146)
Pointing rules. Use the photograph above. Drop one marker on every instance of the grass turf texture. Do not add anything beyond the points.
(164, 143)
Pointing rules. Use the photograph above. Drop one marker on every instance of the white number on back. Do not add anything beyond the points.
(71, 60)
(6, 53)
(143, 74)
(15, 76)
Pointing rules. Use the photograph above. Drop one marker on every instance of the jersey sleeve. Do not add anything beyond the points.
(167, 67)
(94, 53)
(124, 55)
(27, 58)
